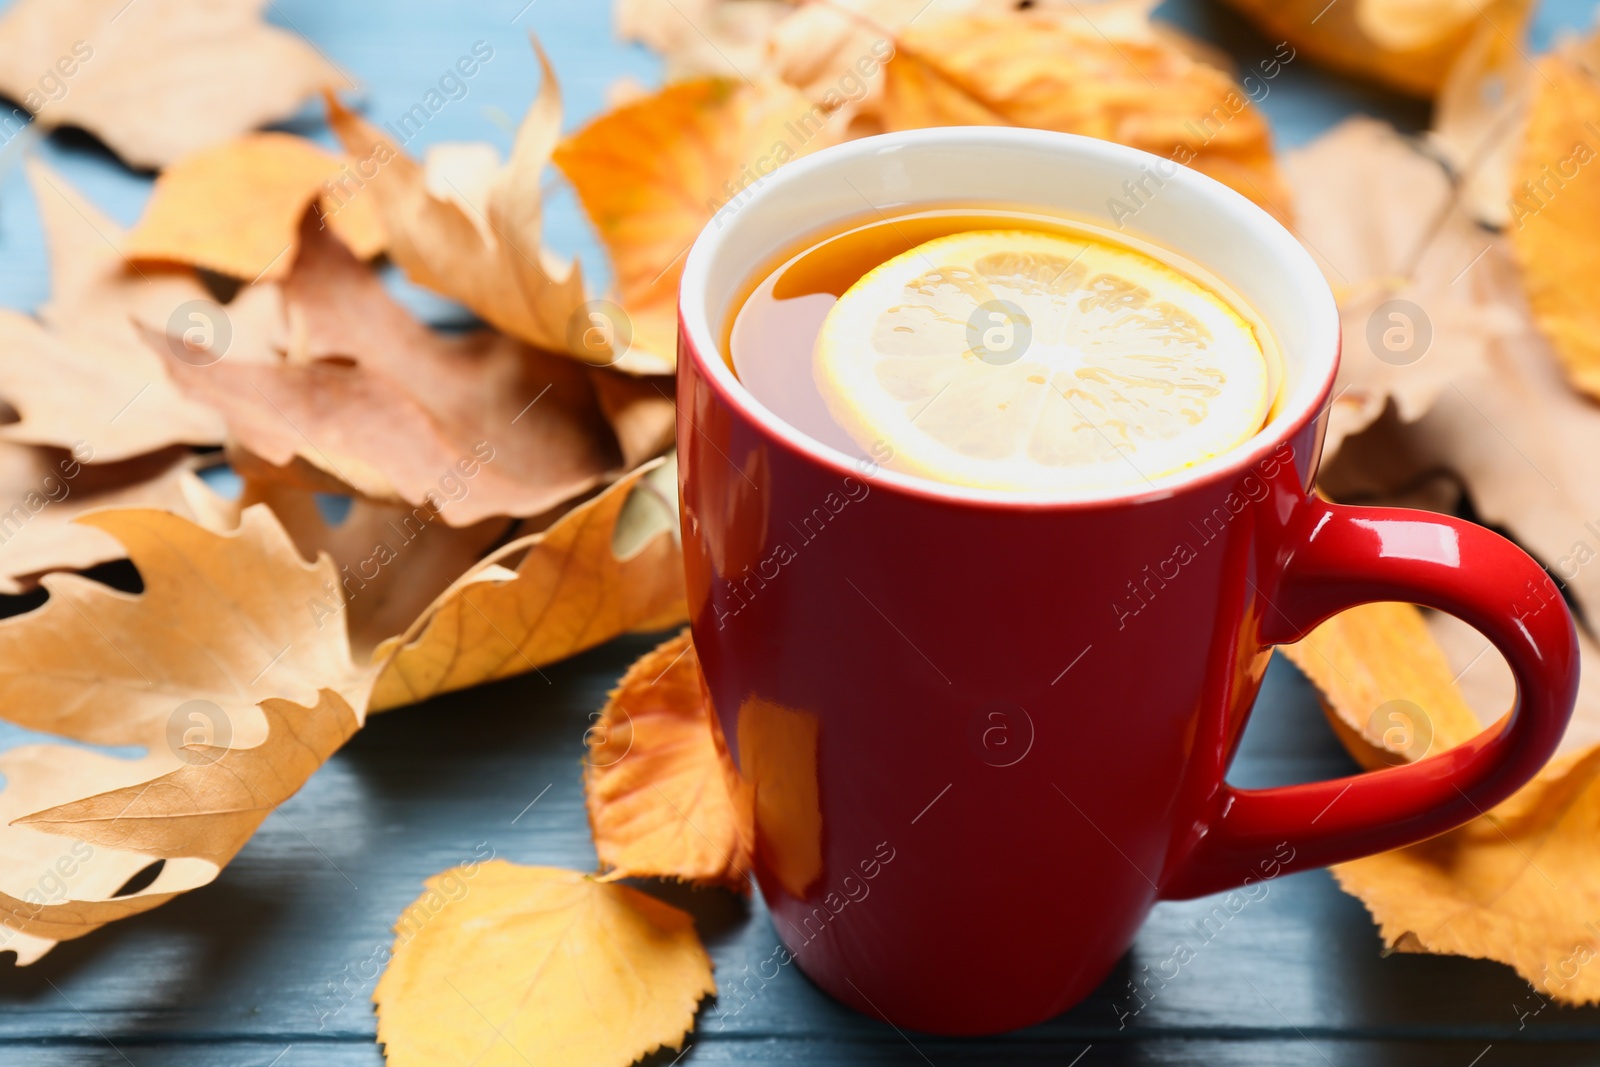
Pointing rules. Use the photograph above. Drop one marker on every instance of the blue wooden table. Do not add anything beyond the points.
(273, 964)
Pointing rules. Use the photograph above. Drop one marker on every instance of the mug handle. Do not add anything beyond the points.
(1339, 557)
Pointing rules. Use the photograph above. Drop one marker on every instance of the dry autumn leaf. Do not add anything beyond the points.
(1408, 45)
(1555, 225)
(608, 566)
(218, 669)
(222, 71)
(79, 375)
(465, 427)
(1113, 78)
(651, 174)
(1518, 884)
(658, 805)
(392, 561)
(499, 964)
(470, 229)
(1424, 293)
(43, 489)
(235, 208)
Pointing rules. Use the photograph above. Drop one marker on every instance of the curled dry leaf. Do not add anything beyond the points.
(564, 969)
(1115, 78)
(473, 232)
(392, 560)
(1424, 293)
(652, 174)
(1555, 210)
(218, 669)
(658, 803)
(1403, 44)
(223, 70)
(608, 566)
(466, 428)
(1518, 884)
(235, 208)
(42, 490)
(78, 375)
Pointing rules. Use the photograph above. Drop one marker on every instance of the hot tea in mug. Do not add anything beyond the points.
(1004, 348)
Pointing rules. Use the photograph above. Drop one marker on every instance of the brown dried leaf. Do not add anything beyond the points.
(468, 428)
(222, 71)
(1423, 291)
(606, 567)
(474, 233)
(234, 690)
(658, 803)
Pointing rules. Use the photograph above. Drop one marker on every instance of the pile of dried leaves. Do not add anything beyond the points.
(511, 492)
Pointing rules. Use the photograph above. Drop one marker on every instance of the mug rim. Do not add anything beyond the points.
(698, 338)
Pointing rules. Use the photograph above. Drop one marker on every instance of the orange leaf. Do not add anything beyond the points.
(1056, 70)
(1403, 44)
(653, 173)
(236, 208)
(1555, 208)
(658, 804)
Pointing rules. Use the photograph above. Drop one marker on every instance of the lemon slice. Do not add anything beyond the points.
(1019, 359)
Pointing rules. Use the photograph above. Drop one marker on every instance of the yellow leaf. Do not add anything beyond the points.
(653, 173)
(1405, 44)
(471, 229)
(156, 79)
(1555, 213)
(606, 567)
(1058, 70)
(658, 803)
(500, 965)
(1518, 884)
(235, 208)
(219, 669)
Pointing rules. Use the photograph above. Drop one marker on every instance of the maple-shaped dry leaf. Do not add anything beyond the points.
(652, 174)
(219, 669)
(392, 561)
(1067, 70)
(1423, 291)
(641, 410)
(499, 964)
(1555, 228)
(1518, 884)
(80, 375)
(608, 566)
(43, 489)
(1408, 45)
(658, 803)
(474, 233)
(235, 208)
(156, 79)
(467, 427)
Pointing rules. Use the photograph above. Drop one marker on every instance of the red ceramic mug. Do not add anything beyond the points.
(979, 734)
